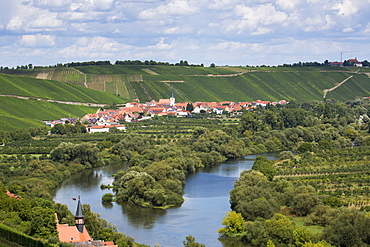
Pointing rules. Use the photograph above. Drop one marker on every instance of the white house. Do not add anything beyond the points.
(104, 128)
(199, 108)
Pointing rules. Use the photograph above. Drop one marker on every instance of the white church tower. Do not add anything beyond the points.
(172, 99)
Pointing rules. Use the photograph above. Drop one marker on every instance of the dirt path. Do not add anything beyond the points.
(85, 82)
(336, 86)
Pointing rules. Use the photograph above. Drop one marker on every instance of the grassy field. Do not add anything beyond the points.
(17, 114)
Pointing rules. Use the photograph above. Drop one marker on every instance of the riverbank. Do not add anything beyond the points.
(206, 202)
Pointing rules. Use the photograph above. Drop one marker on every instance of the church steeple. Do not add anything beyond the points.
(172, 98)
(79, 217)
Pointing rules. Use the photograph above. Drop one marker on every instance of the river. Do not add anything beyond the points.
(206, 197)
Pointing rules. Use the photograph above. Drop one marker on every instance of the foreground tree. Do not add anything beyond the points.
(233, 223)
(190, 242)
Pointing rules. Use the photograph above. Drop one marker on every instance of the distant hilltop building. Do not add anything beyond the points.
(350, 62)
(77, 235)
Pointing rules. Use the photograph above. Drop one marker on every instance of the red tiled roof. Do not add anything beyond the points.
(353, 60)
(237, 107)
(181, 104)
(69, 234)
(12, 195)
(164, 101)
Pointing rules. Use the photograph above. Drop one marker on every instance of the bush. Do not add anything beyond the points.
(107, 197)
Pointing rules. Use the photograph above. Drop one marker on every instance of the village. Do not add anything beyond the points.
(105, 119)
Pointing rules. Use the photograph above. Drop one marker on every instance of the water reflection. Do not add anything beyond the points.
(107, 205)
(141, 217)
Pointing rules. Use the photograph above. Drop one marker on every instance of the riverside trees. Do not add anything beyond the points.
(330, 169)
(157, 173)
(343, 227)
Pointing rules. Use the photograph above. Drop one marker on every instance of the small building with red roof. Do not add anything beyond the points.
(77, 235)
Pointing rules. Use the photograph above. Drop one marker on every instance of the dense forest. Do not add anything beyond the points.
(314, 195)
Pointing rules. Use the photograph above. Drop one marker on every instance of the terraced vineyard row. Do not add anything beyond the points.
(214, 84)
(47, 89)
(13, 112)
(343, 173)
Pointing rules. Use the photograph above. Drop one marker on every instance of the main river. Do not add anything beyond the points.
(206, 202)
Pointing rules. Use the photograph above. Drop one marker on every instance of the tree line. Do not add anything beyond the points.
(106, 62)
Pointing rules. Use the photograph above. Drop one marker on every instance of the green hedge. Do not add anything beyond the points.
(20, 238)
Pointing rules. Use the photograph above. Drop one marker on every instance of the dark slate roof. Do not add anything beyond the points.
(79, 209)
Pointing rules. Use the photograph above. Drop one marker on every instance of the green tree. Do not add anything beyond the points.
(270, 243)
(43, 223)
(303, 204)
(250, 178)
(349, 228)
(318, 244)
(189, 107)
(254, 233)
(190, 242)
(280, 229)
(250, 122)
(59, 129)
(233, 223)
(107, 197)
(301, 236)
(264, 165)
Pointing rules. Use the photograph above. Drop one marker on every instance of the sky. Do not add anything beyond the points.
(224, 32)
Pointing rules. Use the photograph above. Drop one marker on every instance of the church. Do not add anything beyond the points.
(78, 235)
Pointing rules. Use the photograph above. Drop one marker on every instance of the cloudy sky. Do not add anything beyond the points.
(224, 32)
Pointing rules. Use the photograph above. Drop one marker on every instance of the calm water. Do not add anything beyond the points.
(206, 202)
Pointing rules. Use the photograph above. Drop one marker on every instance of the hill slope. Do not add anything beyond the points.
(17, 114)
(148, 82)
(153, 82)
(48, 89)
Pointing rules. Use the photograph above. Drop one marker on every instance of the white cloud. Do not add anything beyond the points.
(161, 45)
(367, 30)
(229, 46)
(347, 7)
(253, 17)
(51, 4)
(288, 4)
(97, 5)
(46, 21)
(92, 48)
(173, 8)
(222, 4)
(261, 31)
(37, 40)
(15, 23)
(79, 16)
(74, 5)
(202, 31)
(348, 30)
